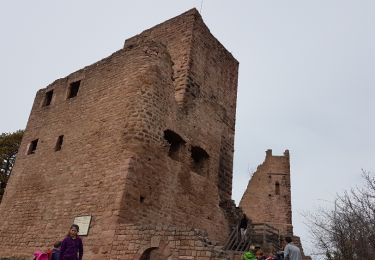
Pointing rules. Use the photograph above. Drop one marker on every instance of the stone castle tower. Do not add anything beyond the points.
(267, 198)
(140, 141)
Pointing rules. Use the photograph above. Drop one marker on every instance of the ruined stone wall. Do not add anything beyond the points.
(297, 242)
(147, 139)
(267, 198)
(163, 242)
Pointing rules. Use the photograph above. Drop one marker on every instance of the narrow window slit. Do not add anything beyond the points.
(277, 188)
(200, 160)
(59, 143)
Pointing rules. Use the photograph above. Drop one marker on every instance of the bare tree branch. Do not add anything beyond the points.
(347, 232)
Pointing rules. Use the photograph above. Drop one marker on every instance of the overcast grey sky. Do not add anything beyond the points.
(306, 79)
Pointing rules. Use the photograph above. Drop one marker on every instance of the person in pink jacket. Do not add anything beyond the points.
(39, 255)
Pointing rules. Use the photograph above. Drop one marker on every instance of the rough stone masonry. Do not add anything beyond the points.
(141, 141)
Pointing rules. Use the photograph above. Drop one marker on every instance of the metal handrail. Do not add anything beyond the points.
(255, 232)
(236, 243)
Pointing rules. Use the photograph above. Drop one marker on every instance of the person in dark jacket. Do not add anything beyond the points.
(56, 251)
(243, 226)
(72, 246)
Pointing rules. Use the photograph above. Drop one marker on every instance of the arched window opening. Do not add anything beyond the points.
(277, 188)
(147, 254)
(200, 160)
(155, 253)
(176, 143)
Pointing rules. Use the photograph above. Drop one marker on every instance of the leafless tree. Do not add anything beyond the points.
(347, 231)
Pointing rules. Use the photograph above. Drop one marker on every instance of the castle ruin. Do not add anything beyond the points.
(142, 142)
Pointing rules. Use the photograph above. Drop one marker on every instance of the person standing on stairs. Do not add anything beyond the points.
(243, 226)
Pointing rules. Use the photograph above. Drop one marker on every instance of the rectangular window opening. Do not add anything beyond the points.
(32, 146)
(73, 89)
(59, 143)
(176, 144)
(200, 160)
(48, 98)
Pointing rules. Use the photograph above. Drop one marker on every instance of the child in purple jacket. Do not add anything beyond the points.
(71, 246)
